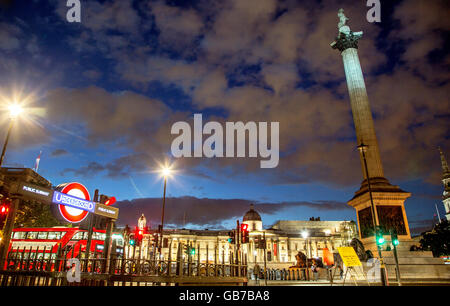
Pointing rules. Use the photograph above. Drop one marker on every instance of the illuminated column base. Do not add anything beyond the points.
(389, 213)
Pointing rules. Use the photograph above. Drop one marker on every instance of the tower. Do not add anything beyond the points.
(446, 183)
(388, 200)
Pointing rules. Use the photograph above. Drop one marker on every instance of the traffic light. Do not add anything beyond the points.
(138, 235)
(132, 242)
(107, 200)
(379, 236)
(189, 250)
(262, 244)
(231, 237)
(155, 239)
(394, 237)
(4, 210)
(244, 233)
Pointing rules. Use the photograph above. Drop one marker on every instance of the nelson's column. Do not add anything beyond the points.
(388, 200)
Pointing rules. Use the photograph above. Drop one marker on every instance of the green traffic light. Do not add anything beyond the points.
(395, 242)
(380, 240)
(131, 242)
(192, 251)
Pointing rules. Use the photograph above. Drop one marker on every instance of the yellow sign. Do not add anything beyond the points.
(349, 256)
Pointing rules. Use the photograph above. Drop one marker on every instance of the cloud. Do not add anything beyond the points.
(90, 170)
(260, 61)
(178, 27)
(59, 152)
(201, 211)
(9, 37)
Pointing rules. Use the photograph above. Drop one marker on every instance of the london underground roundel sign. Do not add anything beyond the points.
(71, 214)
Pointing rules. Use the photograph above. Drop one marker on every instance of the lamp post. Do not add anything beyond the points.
(165, 172)
(362, 149)
(14, 112)
(305, 236)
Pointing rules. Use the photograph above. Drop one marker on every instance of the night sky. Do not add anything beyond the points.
(103, 94)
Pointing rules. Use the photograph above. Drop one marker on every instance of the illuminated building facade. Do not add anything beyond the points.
(284, 240)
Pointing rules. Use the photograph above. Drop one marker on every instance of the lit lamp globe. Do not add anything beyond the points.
(15, 110)
(166, 172)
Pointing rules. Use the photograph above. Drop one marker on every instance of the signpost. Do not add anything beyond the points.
(73, 202)
(350, 260)
(349, 257)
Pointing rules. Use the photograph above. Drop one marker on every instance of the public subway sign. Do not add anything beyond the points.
(36, 192)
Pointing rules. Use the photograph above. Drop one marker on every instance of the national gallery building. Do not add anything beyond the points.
(284, 240)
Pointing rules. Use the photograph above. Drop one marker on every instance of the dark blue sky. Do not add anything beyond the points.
(104, 93)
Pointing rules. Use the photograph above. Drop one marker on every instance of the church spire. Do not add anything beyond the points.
(445, 169)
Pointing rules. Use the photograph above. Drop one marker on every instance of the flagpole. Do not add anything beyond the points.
(38, 159)
(439, 216)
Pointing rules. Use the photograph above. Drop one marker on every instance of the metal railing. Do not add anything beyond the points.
(40, 267)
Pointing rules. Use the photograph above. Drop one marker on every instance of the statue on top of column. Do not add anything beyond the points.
(346, 38)
(343, 28)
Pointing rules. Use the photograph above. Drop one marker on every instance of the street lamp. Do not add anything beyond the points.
(14, 111)
(166, 172)
(362, 149)
(305, 236)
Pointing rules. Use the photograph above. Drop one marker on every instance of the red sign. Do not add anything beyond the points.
(328, 258)
(71, 214)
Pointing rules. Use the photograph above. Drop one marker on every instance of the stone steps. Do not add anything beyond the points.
(408, 254)
(414, 261)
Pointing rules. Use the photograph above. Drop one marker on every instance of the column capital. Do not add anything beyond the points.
(345, 41)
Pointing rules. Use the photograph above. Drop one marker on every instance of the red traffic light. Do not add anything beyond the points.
(244, 227)
(4, 209)
(110, 201)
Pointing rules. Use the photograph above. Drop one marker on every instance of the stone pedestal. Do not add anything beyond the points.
(389, 211)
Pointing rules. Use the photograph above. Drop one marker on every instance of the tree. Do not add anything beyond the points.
(438, 240)
(35, 214)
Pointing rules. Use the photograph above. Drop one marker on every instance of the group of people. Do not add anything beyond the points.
(315, 268)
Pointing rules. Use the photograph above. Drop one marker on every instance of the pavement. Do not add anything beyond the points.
(337, 283)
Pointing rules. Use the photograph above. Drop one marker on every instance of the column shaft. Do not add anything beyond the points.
(362, 116)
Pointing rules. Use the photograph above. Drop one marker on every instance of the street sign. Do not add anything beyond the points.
(349, 256)
(36, 192)
(72, 199)
(106, 211)
(72, 208)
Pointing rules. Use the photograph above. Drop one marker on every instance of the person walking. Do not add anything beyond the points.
(256, 272)
(315, 270)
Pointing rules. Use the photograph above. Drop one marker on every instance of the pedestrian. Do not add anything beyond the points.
(315, 270)
(256, 272)
(341, 272)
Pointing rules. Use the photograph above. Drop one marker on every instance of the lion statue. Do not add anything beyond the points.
(359, 249)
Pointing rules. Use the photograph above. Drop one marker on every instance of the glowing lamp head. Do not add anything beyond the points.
(166, 171)
(305, 234)
(15, 110)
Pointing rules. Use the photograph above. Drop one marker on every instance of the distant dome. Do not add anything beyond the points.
(252, 215)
